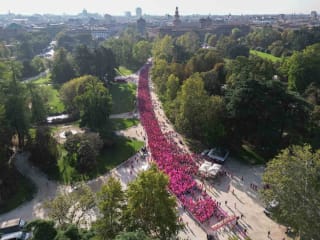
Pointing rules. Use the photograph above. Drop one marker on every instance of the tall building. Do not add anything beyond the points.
(176, 21)
(138, 12)
(141, 25)
(313, 15)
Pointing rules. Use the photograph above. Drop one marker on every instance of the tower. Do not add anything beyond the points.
(138, 12)
(176, 20)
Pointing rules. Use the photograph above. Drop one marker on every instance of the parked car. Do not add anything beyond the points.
(218, 154)
(270, 207)
(16, 236)
(11, 226)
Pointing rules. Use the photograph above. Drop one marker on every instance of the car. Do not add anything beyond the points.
(270, 207)
(218, 154)
(12, 225)
(16, 236)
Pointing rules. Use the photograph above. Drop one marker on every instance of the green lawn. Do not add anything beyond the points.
(51, 94)
(248, 155)
(123, 71)
(122, 149)
(55, 105)
(123, 123)
(123, 97)
(24, 192)
(110, 157)
(43, 80)
(265, 55)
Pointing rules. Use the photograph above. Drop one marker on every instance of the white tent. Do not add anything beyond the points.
(205, 167)
(214, 170)
(210, 169)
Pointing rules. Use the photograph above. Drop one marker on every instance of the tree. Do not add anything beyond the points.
(16, 106)
(83, 58)
(150, 206)
(94, 105)
(141, 51)
(172, 87)
(71, 90)
(163, 48)
(215, 127)
(263, 37)
(189, 41)
(160, 74)
(104, 63)
(44, 150)
(37, 104)
(83, 150)
(46, 230)
(62, 68)
(303, 68)
(71, 208)
(293, 180)
(42, 229)
(193, 105)
(254, 67)
(111, 203)
(279, 111)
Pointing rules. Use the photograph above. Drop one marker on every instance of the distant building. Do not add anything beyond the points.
(127, 14)
(176, 21)
(99, 33)
(141, 25)
(138, 12)
(108, 18)
(205, 22)
(313, 15)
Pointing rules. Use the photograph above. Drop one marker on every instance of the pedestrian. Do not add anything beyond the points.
(235, 206)
(225, 202)
(269, 233)
(241, 216)
(241, 178)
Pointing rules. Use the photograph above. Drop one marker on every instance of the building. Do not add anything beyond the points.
(176, 21)
(138, 12)
(141, 25)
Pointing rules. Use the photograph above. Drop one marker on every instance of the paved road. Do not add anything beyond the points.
(46, 190)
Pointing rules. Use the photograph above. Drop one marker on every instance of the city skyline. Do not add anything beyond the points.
(153, 7)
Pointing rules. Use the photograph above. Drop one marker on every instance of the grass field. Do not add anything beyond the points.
(123, 71)
(123, 123)
(55, 105)
(265, 55)
(24, 192)
(43, 80)
(51, 94)
(248, 155)
(110, 157)
(123, 97)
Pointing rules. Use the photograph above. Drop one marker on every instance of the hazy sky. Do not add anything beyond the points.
(160, 7)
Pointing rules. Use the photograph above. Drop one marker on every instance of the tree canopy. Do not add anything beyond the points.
(150, 206)
(293, 180)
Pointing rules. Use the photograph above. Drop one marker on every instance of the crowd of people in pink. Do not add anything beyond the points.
(178, 165)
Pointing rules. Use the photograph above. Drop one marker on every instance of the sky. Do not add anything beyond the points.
(160, 7)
